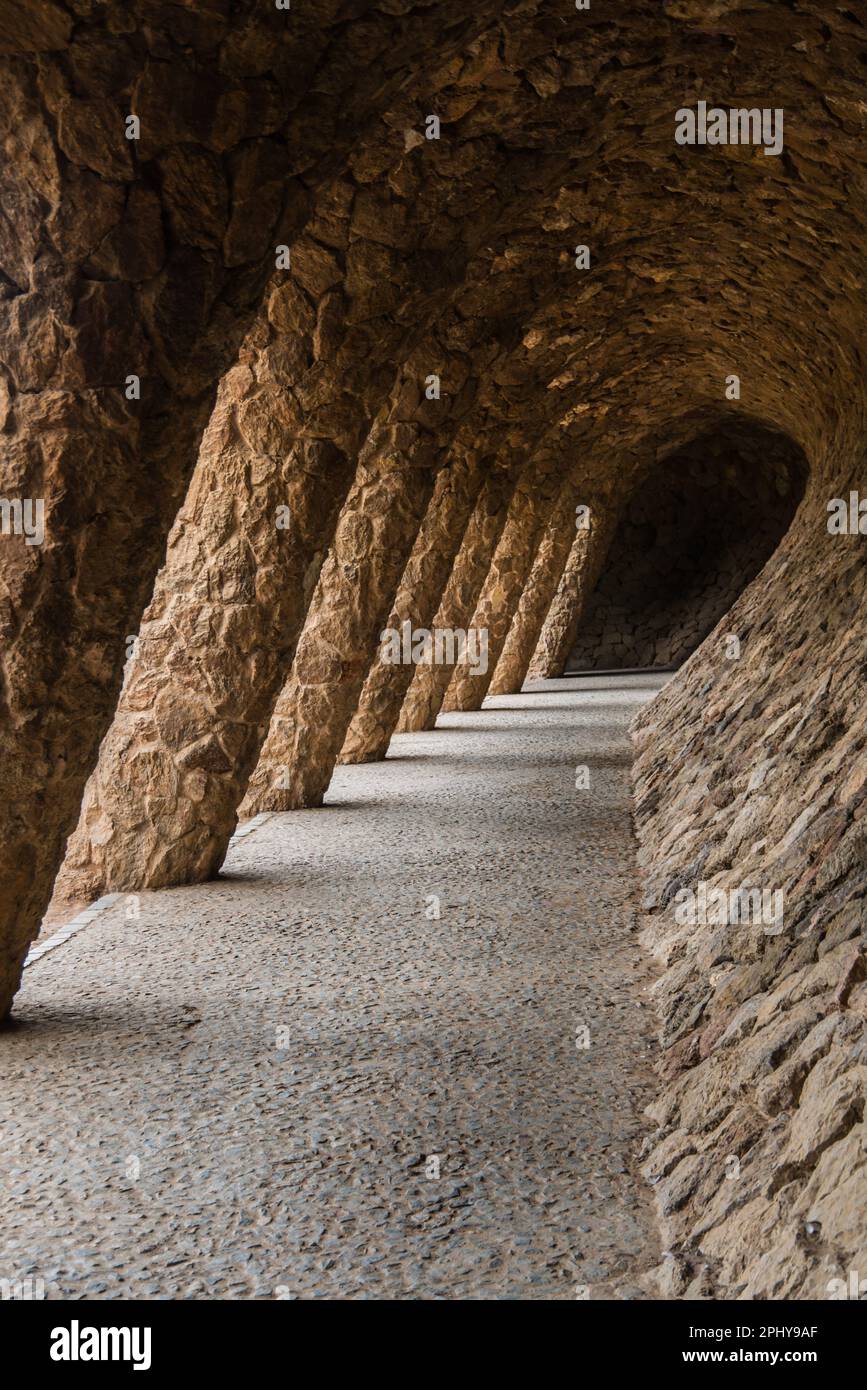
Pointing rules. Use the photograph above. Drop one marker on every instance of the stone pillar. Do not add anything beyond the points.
(456, 491)
(219, 636)
(538, 595)
(529, 509)
(586, 558)
(430, 682)
(113, 336)
(374, 537)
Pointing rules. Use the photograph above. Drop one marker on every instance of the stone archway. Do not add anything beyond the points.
(695, 532)
(424, 278)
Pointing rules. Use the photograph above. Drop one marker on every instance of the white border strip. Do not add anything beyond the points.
(249, 826)
(82, 920)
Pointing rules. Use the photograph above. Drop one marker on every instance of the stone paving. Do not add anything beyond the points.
(246, 1090)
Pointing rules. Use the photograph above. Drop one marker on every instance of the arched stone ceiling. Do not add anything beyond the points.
(720, 252)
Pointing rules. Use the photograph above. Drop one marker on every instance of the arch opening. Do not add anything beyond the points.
(696, 529)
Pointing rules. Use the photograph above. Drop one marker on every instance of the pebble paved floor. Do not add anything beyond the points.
(247, 1090)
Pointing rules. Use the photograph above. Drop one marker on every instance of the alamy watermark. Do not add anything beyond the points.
(847, 518)
(23, 517)
(720, 907)
(854, 1287)
(77, 1343)
(737, 126)
(444, 646)
(22, 1290)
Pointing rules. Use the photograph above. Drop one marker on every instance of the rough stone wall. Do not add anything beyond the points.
(692, 535)
(751, 772)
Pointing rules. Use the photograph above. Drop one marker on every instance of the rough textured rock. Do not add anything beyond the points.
(583, 566)
(529, 510)
(429, 683)
(416, 602)
(752, 772)
(94, 290)
(375, 534)
(453, 260)
(217, 639)
(145, 258)
(538, 594)
(315, 371)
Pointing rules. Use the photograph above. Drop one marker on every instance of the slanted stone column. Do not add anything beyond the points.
(430, 682)
(219, 635)
(530, 508)
(583, 567)
(149, 175)
(123, 303)
(421, 588)
(538, 594)
(373, 540)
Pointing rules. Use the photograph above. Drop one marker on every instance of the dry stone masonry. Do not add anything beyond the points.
(415, 606)
(361, 363)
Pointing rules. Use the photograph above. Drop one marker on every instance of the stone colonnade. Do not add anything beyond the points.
(315, 325)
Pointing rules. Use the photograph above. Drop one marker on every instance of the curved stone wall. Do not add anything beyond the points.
(751, 774)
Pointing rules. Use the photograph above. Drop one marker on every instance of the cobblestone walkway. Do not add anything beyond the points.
(243, 1091)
